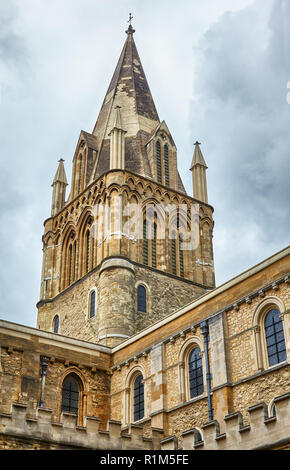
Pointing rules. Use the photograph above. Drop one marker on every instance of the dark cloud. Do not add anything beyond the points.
(242, 117)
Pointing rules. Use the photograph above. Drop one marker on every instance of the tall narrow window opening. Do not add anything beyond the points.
(141, 299)
(88, 237)
(92, 304)
(70, 264)
(56, 324)
(195, 373)
(153, 245)
(80, 173)
(181, 265)
(173, 252)
(145, 243)
(275, 340)
(138, 398)
(166, 165)
(158, 159)
(70, 395)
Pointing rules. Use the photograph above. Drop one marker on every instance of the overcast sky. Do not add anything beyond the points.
(218, 72)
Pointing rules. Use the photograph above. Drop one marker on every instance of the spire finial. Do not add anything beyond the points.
(197, 143)
(130, 30)
(61, 160)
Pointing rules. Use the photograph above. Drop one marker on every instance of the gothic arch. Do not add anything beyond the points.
(140, 187)
(148, 294)
(128, 416)
(114, 187)
(183, 369)
(68, 255)
(90, 292)
(86, 242)
(83, 392)
(130, 182)
(259, 315)
(148, 191)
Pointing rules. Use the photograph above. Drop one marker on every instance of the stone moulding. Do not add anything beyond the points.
(66, 434)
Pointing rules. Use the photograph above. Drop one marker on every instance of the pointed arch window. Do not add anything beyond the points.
(141, 298)
(92, 303)
(150, 239)
(80, 173)
(145, 243)
(69, 254)
(153, 245)
(173, 252)
(195, 373)
(74, 260)
(70, 264)
(93, 234)
(70, 395)
(158, 161)
(181, 264)
(276, 347)
(166, 165)
(56, 324)
(88, 247)
(138, 399)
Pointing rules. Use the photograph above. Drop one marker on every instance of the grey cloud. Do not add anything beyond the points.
(244, 123)
(12, 47)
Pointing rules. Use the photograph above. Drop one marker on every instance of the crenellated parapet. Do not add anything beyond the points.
(20, 426)
(262, 432)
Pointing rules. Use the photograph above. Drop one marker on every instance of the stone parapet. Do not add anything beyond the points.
(262, 432)
(19, 426)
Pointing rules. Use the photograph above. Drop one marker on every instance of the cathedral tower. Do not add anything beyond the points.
(129, 246)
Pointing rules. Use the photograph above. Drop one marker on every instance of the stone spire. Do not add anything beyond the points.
(198, 168)
(59, 187)
(129, 90)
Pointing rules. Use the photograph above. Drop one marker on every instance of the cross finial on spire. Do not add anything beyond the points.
(130, 30)
(196, 142)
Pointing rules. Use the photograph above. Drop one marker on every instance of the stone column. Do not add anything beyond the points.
(117, 301)
(43, 369)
